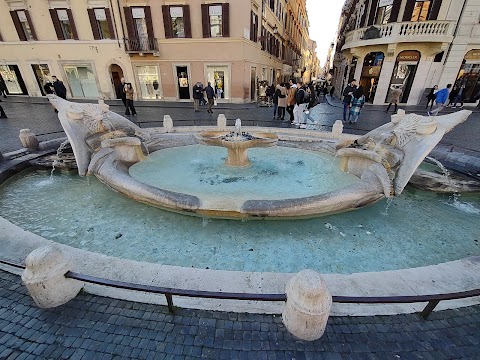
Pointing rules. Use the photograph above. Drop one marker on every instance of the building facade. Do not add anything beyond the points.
(411, 44)
(163, 47)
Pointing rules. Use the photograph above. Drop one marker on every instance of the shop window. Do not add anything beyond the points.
(101, 22)
(149, 82)
(64, 24)
(420, 11)
(82, 81)
(42, 75)
(218, 77)
(215, 20)
(13, 80)
(404, 73)
(176, 21)
(469, 76)
(23, 24)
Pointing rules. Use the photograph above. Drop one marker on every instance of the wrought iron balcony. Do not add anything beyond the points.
(422, 31)
(141, 45)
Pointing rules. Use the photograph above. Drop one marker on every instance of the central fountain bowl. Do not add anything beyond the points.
(237, 144)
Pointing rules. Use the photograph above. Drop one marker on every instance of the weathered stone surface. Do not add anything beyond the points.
(167, 123)
(337, 129)
(28, 139)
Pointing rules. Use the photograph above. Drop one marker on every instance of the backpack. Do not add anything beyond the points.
(306, 97)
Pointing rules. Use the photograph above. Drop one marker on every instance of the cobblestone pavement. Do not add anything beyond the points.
(38, 115)
(93, 327)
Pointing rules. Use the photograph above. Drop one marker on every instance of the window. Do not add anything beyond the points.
(101, 22)
(65, 26)
(23, 24)
(383, 15)
(176, 18)
(176, 21)
(254, 27)
(420, 11)
(215, 20)
(215, 14)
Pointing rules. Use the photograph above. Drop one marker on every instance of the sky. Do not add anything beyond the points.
(323, 16)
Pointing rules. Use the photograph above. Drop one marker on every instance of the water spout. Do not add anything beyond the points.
(238, 128)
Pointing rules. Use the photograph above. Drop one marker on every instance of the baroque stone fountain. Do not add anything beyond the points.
(107, 145)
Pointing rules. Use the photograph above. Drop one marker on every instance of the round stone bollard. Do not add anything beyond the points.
(337, 129)
(28, 139)
(167, 123)
(45, 280)
(222, 122)
(306, 311)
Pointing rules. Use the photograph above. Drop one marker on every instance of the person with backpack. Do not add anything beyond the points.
(347, 99)
(301, 99)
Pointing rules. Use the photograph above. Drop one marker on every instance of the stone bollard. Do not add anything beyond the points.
(222, 122)
(337, 129)
(45, 280)
(306, 311)
(396, 118)
(28, 139)
(167, 123)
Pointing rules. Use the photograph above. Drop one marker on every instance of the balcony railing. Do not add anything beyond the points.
(423, 31)
(141, 45)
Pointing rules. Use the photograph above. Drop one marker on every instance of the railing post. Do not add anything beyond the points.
(170, 303)
(429, 308)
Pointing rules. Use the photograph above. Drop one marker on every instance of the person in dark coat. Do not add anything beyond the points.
(210, 92)
(347, 99)
(121, 93)
(60, 89)
(197, 95)
(3, 87)
(48, 87)
(431, 97)
(2, 113)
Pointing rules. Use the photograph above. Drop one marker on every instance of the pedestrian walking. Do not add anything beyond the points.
(358, 100)
(59, 88)
(276, 93)
(459, 98)
(129, 100)
(432, 95)
(291, 100)
(2, 113)
(301, 99)
(120, 93)
(395, 95)
(3, 88)
(269, 92)
(347, 99)
(282, 101)
(442, 97)
(210, 92)
(311, 93)
(197, 95)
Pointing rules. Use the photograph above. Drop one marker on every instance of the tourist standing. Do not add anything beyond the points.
(129, 100)
(59, 88)
(210, 92)
(291, 100)
(358, 100)
(347, 99)
(442, 97)
(120, 93)
(197, 95)
(276, 93)
(395, 95)
(431, 97)
(269, 92)
(459, 98)
(301, 101)
(282, 101)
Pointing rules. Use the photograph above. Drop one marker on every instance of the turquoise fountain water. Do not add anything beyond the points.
(418, 229)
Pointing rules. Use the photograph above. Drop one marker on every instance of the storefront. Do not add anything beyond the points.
(148, 82)
(372, 66)
(183, 82)
(469, 75)
(81, 80)
(13, 80)
(219, 77)
(42, 74)
(404, 73)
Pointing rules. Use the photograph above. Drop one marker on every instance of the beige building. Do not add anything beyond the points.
(409, 44)
(163, 47)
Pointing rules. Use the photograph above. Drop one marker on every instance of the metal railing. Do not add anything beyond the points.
(432, 300)
(141, 45)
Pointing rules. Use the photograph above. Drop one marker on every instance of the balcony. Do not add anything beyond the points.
(140, 45)
(424, 31)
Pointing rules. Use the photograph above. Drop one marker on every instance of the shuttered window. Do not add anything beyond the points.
(254, 27)
(176, 21)
(139, 22)
(373, 12)
(23, 25)
(64, 24)
(101, 23)
(216, 20)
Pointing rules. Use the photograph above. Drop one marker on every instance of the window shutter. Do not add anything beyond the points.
(56, 24)
(148, 20)
(395, 11)
(93, 24)
(111, 28)
(32, 29)
(186, 21)
(252, 17)
(226, 20)
(410, 5)
(205, 21)
(72, 24)
(373, 12)
(167, 21)
(18, 26)
(129, 22)
(435, 9)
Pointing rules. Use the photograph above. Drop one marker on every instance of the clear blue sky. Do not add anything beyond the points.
(323, 16)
